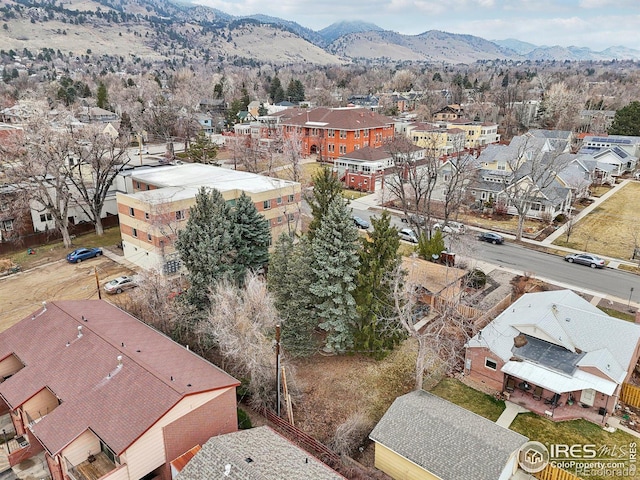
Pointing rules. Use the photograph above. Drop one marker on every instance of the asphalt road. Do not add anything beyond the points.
(606, 282)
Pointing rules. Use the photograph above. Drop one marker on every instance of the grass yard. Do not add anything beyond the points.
(509, 224)
(609, 229)
(629, 317)
(466, 397)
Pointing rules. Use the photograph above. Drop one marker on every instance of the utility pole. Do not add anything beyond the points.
(95, 271)
(278, 369)
(139, 137)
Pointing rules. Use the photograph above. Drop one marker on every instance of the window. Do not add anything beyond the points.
(45, 217)
(357, 134)
(146, 215)
(291, 217)
(331, 148)
(279, 200)
(331, 133)
(280, 219)
(132, 212)
(490, 364)
(7, 225)
(291, 198)
(535, 207)
(149, 236)
(343, 134)
(134, 232)
(138, 185)
(343, 149)
(366, 133)
(179, 214)
(266, 205)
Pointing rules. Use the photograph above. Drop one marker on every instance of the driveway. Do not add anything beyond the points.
(24, 292)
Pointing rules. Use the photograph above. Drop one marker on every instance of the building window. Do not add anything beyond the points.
(266, 205)
(179, 214)
(343, 149)
(134, 232)
(291, 217)
(331, 147)
(149, 236)
(280, 219)
(138, 185)
(490, 364)
(331, 133)
(357, 134)
(291, 198)
(7, 225)
(343, 134)
(279, 200)
(146, 215)
(132, 212)
(45, 217)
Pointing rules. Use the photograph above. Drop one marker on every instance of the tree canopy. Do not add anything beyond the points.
(326, 187)
(627, 120)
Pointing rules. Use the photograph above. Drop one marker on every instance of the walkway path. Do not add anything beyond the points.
(510, 413)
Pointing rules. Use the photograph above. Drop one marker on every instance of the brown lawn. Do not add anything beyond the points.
(609, 229)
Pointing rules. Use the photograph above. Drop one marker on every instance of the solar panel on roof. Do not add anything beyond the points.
(621, 153)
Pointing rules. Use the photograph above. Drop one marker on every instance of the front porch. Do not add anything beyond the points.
(94, 467)
(541, 402)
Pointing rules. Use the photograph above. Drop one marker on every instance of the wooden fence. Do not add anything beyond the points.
(554, 473)
(493, 312)
(630, 395)
(440, 304)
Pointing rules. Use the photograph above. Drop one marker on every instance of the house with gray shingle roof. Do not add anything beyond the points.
(255, 454)
(424, 436)
(103, 394)
(556, 345)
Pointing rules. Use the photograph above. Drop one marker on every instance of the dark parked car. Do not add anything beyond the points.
(81, 254)
(414, 219)
(491, 238)
(361, 223)
(585, 259)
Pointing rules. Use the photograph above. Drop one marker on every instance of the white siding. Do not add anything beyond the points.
(78, 450)
(10, 365)
(120, 473)
(148, 453)
(40, 404)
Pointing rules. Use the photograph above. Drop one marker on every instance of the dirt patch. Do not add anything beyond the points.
(23, 293)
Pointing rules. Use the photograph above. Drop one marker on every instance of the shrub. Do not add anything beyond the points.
(244, 422)
(476, 278)
(560, 218)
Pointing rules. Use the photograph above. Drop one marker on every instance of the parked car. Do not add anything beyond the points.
(450, 227)
(80, 254)
(414, 218)
(585, 259)
(491, 238)
(361, 223)
(120, 284)
(408, 235)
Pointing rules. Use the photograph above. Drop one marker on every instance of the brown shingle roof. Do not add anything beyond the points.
(117, 403)
(345, 118)
(368, 154)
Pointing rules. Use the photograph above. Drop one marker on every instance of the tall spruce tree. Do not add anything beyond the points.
(207, 245)
(335, 264)
(326, 187)
(102, 100)
(253, 237)
(289, 281)
(627, 120)
(375, 333)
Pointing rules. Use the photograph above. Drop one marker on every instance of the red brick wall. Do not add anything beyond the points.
(214, 418)
(480, 373)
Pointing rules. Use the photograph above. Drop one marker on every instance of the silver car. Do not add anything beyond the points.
(120, 284)
(408, 235)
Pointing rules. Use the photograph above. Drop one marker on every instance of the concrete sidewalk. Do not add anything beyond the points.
(510, 413)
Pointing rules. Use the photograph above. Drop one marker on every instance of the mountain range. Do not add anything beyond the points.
(161, 30)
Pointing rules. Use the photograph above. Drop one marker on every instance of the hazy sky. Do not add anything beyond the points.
(596, 24)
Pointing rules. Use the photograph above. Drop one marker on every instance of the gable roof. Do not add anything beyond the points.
(569, 324)
(255, 454)
(446, 439)
(118, 403)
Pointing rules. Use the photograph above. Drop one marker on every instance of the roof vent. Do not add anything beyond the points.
(227, 469)
(568, 319)
(248, 460)
(79, 331)
(119, 357)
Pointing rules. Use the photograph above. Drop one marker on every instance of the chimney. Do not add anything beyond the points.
(79, 331)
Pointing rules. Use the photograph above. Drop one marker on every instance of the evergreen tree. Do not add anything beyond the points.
(289, 281)
(431, 248)
(334, 251)
(262, 110)
(326, 187)
(125, 124)
(203, 150)
(253, 239)
(379, 259)
(627, 120)
(295, 91)
(206, 245)
(276, 92)
(101, 96)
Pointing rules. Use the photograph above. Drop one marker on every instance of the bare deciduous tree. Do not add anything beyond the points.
(241, 323)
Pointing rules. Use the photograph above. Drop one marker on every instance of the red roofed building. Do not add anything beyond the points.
(106, 396)
(331, 132)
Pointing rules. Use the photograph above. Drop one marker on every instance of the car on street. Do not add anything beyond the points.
(408, 235)
(491, 238)
(414, 219)
(588, 259)
(80, 254)
(120, 284)
(450, 227)
(361, 223)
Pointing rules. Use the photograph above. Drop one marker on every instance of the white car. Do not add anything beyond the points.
(120, 284)
(450, 227)
(408, 235)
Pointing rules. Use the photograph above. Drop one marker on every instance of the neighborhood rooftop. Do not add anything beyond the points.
(111, 373)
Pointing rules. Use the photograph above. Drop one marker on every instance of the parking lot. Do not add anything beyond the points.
(23, 292)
